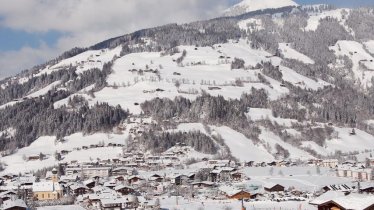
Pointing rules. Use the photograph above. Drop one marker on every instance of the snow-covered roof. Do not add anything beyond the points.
(46, 187)
(14, 203)
(355, 201)
(327, 196)
(122, 186)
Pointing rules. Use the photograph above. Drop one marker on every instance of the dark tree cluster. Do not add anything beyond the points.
(160, 142)
(37, 117)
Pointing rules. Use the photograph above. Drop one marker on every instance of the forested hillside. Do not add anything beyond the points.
(302, 74)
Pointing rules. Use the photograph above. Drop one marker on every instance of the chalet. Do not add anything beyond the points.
(119, 178)
(78, 189)
(238, 194)
(113, 203)
(90, 183)
(203, 184)
(352, 201)
(270, 187)
(179, 179)
(367, 188)
(221, 174)
(17, 204)
(7, 195)
(8, 177)
(134, 179)
(156, 178)
(124, 190)
(110, 184)
(237, 176)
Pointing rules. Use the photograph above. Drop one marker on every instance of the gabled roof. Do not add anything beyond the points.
(46, 187)
(122, 187)
(14, 203)
(353, 201)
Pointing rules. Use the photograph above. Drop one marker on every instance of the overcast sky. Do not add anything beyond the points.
(34, 31)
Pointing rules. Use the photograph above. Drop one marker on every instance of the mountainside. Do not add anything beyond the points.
(255, 5)
(264, 85)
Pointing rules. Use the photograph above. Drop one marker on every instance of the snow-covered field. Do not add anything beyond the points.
(257, 114)
(129, 88)
(241, 147)
(314, 19)
(363, 62)
(47, 145)
(302, 178)
(251, 24)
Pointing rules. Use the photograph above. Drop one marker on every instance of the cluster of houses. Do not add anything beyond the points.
(139, 180)
(356, 171)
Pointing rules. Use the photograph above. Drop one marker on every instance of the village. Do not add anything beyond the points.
(143, 181)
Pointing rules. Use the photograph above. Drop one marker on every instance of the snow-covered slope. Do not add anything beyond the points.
(338, 14)
(291, 53)
(362, 60)
(254, 5)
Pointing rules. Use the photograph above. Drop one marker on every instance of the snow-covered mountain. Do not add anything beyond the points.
(239, 86)
(254, 5)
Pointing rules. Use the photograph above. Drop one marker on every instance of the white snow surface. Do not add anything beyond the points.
(48, 147)
(269, 138)
(241, 147)
(257, 114)
(299, 80)
(202, 68)
(314, 18)
(44, 90)
(363, 62)
(290, 53)
(254, 5)
(251, 24)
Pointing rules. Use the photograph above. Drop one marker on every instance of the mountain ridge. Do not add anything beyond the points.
(247, 76)
(246, 6)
